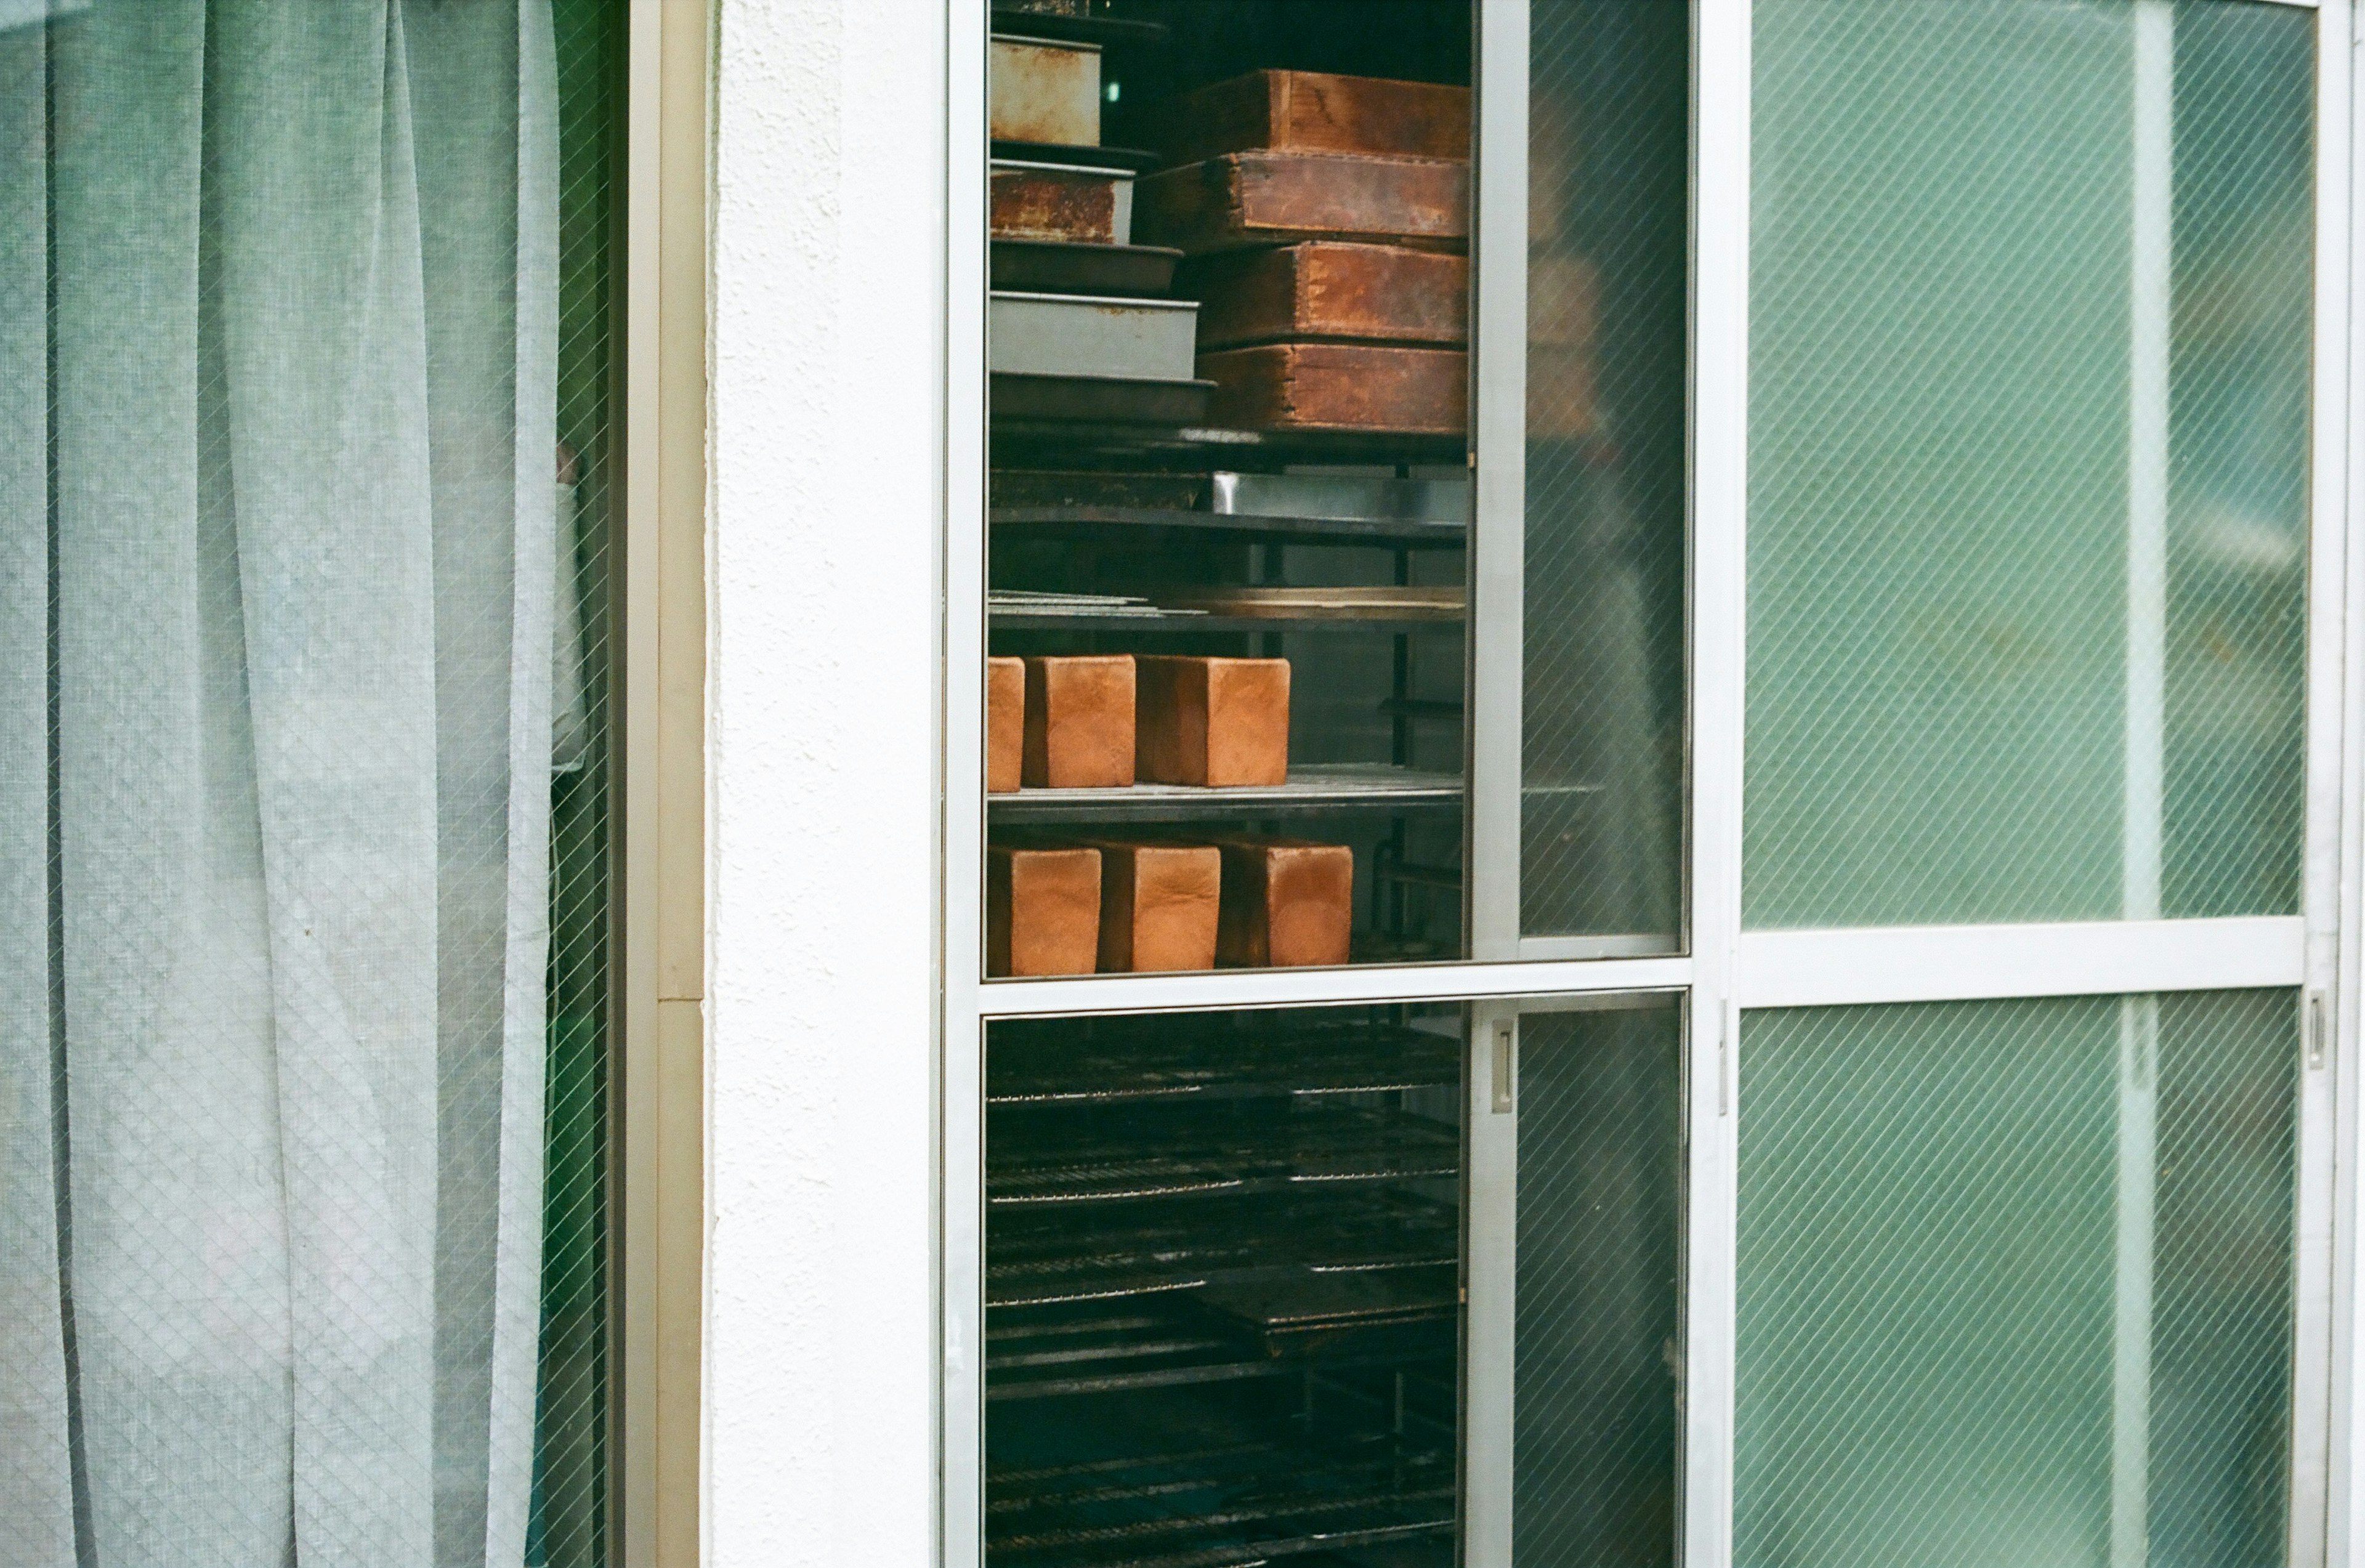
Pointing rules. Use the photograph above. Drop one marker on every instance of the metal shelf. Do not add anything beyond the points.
(1068, 440)
(1177, 623)
(1101, 523)
(1167, 1064)
(1328, 1149)
(1312, 787)
(1042, 1257)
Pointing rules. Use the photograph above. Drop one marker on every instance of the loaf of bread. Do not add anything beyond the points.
(1285, 901)
(1078, 723)
(1211, 721)
(1005, 723)
(1042, 910)
(1158, 905)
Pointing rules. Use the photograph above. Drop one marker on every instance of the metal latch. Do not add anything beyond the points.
(2316, 1030)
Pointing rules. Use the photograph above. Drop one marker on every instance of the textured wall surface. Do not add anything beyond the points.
(827, 311)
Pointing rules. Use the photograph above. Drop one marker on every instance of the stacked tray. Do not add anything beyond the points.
(1077, 330)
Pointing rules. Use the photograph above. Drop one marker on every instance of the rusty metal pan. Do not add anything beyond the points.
(1053, 266)
(1043, 90)
(1092, 399)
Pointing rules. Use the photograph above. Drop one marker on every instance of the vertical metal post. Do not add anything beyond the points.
(2150, 247)
(1499, 525)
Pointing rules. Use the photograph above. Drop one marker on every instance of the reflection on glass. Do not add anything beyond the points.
(1608, 171)
(2030, 306)
(2014, 1283)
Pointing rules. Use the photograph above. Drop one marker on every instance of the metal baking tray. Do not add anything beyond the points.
(1097, 335)
(1342, 497)
(1099, 400)
(1131, 158)
(1056, 266)
(1043, 90)
(1084, 203)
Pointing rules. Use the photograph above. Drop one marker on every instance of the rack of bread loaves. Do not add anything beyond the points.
(1229, 424)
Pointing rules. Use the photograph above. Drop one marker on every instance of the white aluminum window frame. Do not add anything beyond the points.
(1726, 969)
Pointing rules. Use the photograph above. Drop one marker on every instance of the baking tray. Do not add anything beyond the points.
(1068, 400)
(1345, 498)
(1091, 203)
(1056, 266)
(1101, 336)
(1377, 603)
(1043, 90)
(1131, 158)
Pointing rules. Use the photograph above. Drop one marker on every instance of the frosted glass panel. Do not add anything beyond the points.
(2014, 1283)
(2028, 459)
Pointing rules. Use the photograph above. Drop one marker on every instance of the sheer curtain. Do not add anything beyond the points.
(277, 385)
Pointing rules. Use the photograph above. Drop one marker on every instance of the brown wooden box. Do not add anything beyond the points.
(1332, 290)
(1078, 723)
(1158, 905)
(1005, 723)
(1277, 199)
(1287, 902)
(1340, 386)
(1042, 910)
(1314, 112)
(1215, 722)
(1028, 201)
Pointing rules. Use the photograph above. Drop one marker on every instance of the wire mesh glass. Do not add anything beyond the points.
(1601, 805)
(2029, 403)
(1596, 1388)
(304, 781)
(2014, 1282)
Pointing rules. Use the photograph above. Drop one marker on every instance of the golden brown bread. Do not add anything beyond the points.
(1005, 723)
(1285, 901)
(1211, 721)
(1078, 723)
(1158, 905)
(1042, 910)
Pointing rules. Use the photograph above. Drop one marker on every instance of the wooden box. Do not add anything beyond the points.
(1325, 289)
(1340, 386)
(1005, 723)
(1217, 721)
(1053, 201)
(1287, 902)
(1278, 198)
(1042, 91)
(1078, 723)
(1042, 910)
(1159, 906)
(1310, 111)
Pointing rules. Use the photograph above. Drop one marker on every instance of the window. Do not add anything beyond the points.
(1877, 899)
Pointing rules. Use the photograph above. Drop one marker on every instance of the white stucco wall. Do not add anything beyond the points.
(827, 316)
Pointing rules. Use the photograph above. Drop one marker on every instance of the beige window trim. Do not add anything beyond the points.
(661, 842)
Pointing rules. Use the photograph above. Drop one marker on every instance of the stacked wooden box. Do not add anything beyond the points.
(1326, 221)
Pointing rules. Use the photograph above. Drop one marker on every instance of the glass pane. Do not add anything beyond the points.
(2028, 491)
(1223, 1269)
(1600, 1228)
(304, 780)
(1608, 147)
(2014, 1282)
